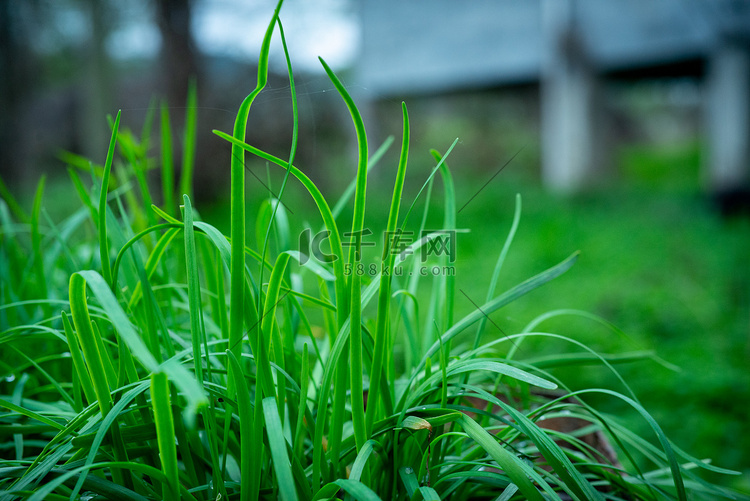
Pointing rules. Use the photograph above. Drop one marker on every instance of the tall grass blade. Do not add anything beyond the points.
(506, 298)
(384, 296)
(246, 428)
(499, 266)
(189, 140)
(269, 348)
(277, 444)
(36, 239)
(109, 424)
(449, 224)
(299, 430)
(94, 360)
(102, 223)
(553, 454)
(95, 485)
(343, 307)
(355, 359)
(78, 363)
(167, 160)
(361, 186)
(292, 152)
(165, 433)
(198, 335)
(237, 200)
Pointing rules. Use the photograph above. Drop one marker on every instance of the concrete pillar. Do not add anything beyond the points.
(570, 137)
(728, 116)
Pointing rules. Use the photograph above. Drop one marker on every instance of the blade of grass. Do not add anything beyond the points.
(480, 366)
(246, 428)
(31, 414)
(97, 359)
(165, 433)
(275, 349)
(278, 446)
(94, 360)
(61, 236)
(136, 156)
(343, 308)
(355, 359)
(409, 479)
(17, 398)
(198, 335)
(384, 295)
(96, 485)
(78, 363)
(363, 454)
(292, 152)
(323, 397)
(449, 224)
(108, 424)
(498, 267)
(358, 219)
(102, 223)
(36, 239)
(221, 241)
(55, 384)
(167, 161)
(189, 140)
(237, 198)
(271, 214)
(156, 253)
(121, 476)
(299, 429)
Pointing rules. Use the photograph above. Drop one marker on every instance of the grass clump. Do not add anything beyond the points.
(150, 356)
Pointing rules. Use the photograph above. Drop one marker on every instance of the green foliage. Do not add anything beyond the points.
(146, 386)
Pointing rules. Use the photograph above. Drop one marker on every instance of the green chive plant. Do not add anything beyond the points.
(146, 355)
